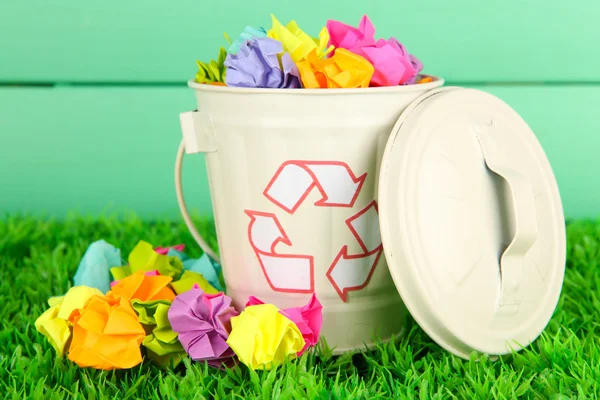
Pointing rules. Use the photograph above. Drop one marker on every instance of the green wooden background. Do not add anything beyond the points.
(90, 91)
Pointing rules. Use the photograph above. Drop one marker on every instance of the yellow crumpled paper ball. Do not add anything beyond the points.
(263, 338)
(342, 70)
(54, 322)
(296, 42)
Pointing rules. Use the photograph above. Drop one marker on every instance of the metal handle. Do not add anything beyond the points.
(191, 121)
(526, 229)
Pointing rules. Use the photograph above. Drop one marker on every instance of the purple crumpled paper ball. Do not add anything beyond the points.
(257, 65)
(202, 322)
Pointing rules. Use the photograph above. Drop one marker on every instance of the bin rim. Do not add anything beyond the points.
(437, 82)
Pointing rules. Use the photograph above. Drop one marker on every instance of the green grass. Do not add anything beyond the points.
(38, 258)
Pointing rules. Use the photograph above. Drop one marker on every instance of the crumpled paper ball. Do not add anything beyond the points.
(165, 250)
(94, 267)
(106, 334)
(308, 319)
(149, 273)
(202, 322)
(297, 43)
(212, 72)
(205, 266)
(56, 330)
(144, 287)
(54, 323)
(263, 338)
(342, 70)
(259, 64)
(393, 64)
(189, 279)
(161, 341)
(248, 33)
(144, 258)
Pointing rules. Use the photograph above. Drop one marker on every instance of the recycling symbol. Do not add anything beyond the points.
(339, 187)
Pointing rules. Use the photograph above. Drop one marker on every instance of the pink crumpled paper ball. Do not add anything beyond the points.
(308, 318)
(165, 250)
(393, 64)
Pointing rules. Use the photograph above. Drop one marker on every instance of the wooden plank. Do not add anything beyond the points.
(154, 41)
(87, 148)
(95, 149)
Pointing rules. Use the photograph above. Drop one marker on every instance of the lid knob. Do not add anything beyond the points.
(526, 225)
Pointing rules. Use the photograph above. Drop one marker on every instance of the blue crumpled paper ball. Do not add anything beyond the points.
(94, 267)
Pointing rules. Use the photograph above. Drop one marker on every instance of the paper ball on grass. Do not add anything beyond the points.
(144, 287)
(161, 341)
(106, 334)
(94, 267)
(202, 322)
(54, 323)
(264, 338)
(144, 258)
(189, 279)
(308, 319)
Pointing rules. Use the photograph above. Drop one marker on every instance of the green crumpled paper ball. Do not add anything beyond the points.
(161, 342)
(213, 71)
(144, 258)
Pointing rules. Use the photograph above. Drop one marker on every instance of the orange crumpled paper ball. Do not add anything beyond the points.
(342, 70)
(106, 334)
(143, 287)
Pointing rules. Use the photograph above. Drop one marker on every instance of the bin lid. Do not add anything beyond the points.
(471, 222)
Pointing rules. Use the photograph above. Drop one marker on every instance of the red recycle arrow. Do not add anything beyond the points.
(284, 272)
(294, 180)
(353, 272)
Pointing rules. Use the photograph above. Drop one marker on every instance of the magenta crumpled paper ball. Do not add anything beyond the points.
(202, 322)
(393, 64)
(308, 319)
